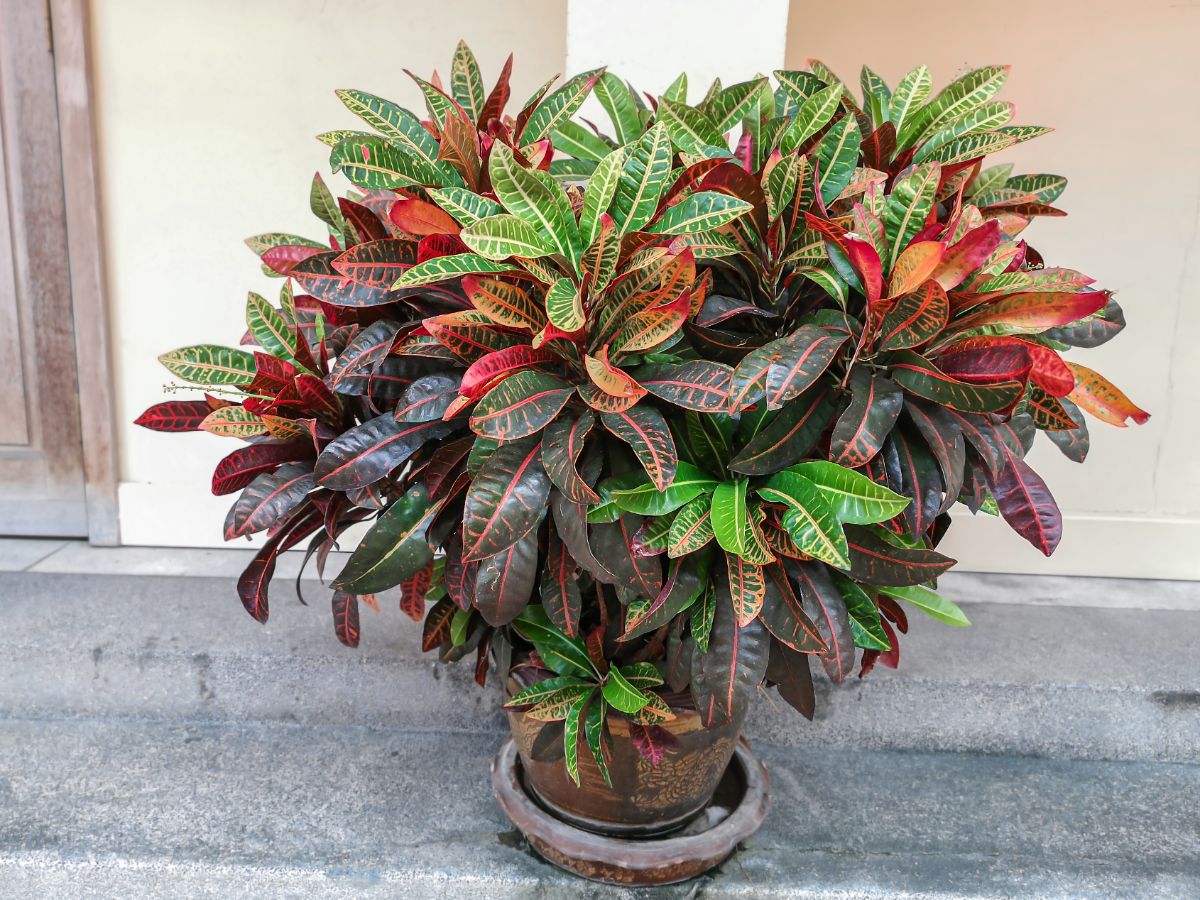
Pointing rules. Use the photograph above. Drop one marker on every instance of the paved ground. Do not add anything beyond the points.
(156, 742)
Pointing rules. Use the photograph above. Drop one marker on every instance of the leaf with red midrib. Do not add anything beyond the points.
(1026, 503)
(345, 618)
(413, 591)
(559, 588)
(562, 443)
(652, 742)
(437, 625)
(506, 500)
(241, 466)
(823, 603)
(646, 432)
(174, 416)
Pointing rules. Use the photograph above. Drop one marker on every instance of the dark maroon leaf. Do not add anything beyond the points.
(645, 430)
(1093, 331)
(506, 500)
(945, 441)
(1027, 504)
(793, 678)
(724, 678)
(861, 429)
(317, 276)
(875, 561)
(562, 442)
(699, 385)
(365, 222)
(1075, 443)
(437, 625)
(613, 544)
(823, 602)
(365, 351)
(268, 499)
(915, 474)
(922, 378)
(370, 451)
(560, 587)
(428, 398)
(376, 264)
(345, 618)
(681, 588)
(981, 435)
(789, 436)
(570, 521)
(784, 616)
(459, 576)
(317, 398)
(241, 466)
(799, 361)
(256, 579)
(504, 582)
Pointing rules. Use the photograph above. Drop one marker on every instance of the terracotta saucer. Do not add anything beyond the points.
(736, 811)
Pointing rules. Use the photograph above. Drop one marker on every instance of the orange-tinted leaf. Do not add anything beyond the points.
(966, 256)
(916, 318)
(1099, 397)
(1042, 309)
(915, 264)
(504, 303)
(609, 378)
(422, 218)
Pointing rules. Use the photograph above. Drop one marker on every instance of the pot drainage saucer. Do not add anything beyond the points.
(736, 811)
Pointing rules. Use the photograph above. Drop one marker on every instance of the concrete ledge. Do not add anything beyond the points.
(253, 810)
(1047, 681)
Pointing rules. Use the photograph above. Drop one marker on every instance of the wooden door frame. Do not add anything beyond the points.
(69, 23)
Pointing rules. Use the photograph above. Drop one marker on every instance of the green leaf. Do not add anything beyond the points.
(691, 528)
(700, 212)
(571, 739)
(645, 430)
(912, 91)
(599, 194)
(729, 515)
(466, 83)
(643, 178)
(465, 206)
(780, 185)
(541, 204)
(564, 306)
(930, 602)
(502, 236)
(621, 694)
(701, 619)
(325, 207)
(810, 519)
(972, 146)
(209, 364)
(691, 130)
(908, 206)
(565, 655)
(837, 155)
(558, 107)
(854, 497)
(394, 549)
(441, 268)
(581, 142)
(593, 726)
(813, 115)
(270, 330)
(735, 103)
(618, 102)
(676, 91)
(543, 689)
(374, 164)
(986, 117)
(876, 96)
(647, 500)
(865, 624)
(395, 123)
(956, 99)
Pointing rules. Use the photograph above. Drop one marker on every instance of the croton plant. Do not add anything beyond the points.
(663, 411)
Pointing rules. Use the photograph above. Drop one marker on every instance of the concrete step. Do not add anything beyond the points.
(239, 810)
(1059, 681)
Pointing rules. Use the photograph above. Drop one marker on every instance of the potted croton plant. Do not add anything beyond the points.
(641, 421)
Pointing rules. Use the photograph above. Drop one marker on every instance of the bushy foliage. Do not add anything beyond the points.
(650, 410)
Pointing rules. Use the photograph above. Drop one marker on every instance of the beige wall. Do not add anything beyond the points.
(207, 111)
(207, 108)
(1116, 81)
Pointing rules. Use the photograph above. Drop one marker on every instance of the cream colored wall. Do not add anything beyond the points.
(1115, 79)
(206, 113)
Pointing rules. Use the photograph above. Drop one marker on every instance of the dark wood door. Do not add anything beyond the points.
(41, 457)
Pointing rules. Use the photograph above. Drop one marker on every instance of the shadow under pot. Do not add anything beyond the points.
(644, 800)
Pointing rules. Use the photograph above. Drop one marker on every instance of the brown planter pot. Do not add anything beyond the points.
(644, 800)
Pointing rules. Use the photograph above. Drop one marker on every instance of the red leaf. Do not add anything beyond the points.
(285, 257)
(365, 222)
(964, 257)
(241, 466)
(413, 591)
(1026, 503)
(422, 218)
(493, 107)
(345, 618)
(652, 741)
(486, 372)
(1041, 309)
(174, 416)
(866, 263)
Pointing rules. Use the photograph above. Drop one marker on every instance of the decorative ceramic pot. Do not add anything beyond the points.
(644, 800)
